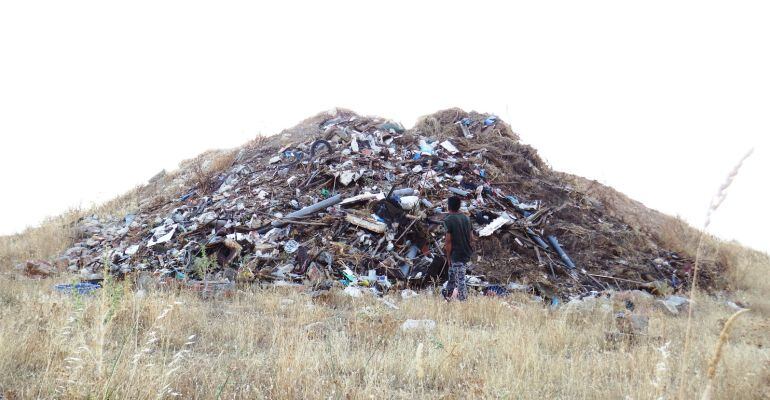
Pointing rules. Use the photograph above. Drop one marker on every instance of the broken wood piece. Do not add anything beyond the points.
(374, 226)
(616, 278)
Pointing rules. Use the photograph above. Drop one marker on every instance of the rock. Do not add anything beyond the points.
(314, 274)
(38, 269)
(632, 323)
(75, 251)
(62, 262)
(674, 305)
(418, 324)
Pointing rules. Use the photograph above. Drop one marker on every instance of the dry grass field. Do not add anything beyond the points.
(282, 343)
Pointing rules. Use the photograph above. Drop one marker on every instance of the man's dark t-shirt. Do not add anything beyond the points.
(459, 226)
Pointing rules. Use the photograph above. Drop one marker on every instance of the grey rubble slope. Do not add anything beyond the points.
(231, 215)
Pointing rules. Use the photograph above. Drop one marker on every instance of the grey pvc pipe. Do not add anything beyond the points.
(311, 209)
(403, 192)
(459, 191)
(537, 238)
(564, 257)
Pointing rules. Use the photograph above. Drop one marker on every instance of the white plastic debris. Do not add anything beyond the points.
(353, 291)
(347, 177)
(275, 159)
(131, 250)
(207, 218)
(418, 324)
(163, 239)
(409, 202)
(291, 246)
(449, 147)
(408, 294)
(498, 222)
(388, 304)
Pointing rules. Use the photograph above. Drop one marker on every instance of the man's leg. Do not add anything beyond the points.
(451, 286)
(462, 288)
(457, 278)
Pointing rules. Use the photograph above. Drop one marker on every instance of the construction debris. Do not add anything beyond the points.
(365, 209)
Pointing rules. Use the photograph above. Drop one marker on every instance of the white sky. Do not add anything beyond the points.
(656, 99)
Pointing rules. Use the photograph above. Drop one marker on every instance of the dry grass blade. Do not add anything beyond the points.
(718, 199)
(723, 336)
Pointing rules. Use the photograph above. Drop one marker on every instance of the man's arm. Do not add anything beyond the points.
(472, 235)
(448, 245)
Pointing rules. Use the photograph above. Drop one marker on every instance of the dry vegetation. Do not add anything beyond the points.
(273, 343)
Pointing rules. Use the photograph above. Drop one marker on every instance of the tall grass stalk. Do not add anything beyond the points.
(716, 201)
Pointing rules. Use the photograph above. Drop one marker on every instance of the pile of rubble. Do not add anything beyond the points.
(343, 199)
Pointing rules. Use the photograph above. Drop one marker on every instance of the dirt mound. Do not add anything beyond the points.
(342, 198)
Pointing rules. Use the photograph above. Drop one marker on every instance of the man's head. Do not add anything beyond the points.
(454, 204)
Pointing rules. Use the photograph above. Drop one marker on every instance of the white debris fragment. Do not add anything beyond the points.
(498, 222)
(418, 324)
(364, 197)
(409, 202)
(449, 147)
(353, 291)
(131, 250)
(347, 177)
(164, 238)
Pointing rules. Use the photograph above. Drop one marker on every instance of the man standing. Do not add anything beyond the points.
(458, 249)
